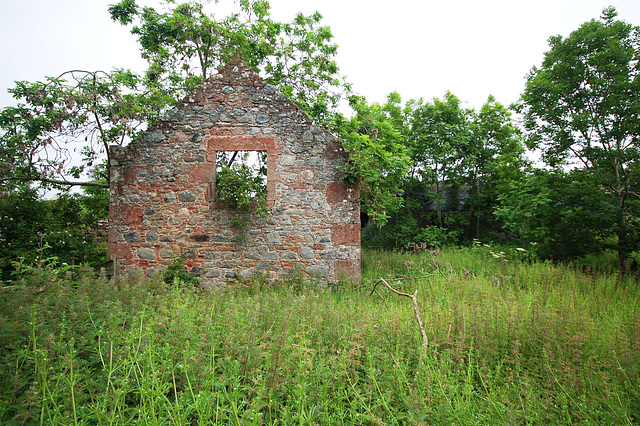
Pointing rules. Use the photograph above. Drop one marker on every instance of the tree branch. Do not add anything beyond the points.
(59, 182)
(76, 183)
(414, 298)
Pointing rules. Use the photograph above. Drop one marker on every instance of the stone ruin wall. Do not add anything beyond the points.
(162, 204)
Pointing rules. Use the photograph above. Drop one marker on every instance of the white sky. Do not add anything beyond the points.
(420, 48)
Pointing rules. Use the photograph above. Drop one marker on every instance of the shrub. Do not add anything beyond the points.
(29, 224)
(176, 274)
(402, 230)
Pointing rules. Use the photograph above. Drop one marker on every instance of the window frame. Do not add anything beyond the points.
(244, 144)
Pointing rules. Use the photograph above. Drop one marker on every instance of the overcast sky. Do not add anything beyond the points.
(420, 48)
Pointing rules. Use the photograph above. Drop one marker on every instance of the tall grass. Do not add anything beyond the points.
(511, 343)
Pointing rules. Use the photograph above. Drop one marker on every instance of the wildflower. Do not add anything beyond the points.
(520, 249)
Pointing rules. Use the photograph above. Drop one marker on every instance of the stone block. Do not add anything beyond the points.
(318, 271)
(289, 256)
(186, 196)
(171, 252)
(273, 238)
(214, 273)
(252, 255)
(146, 253)
(262, 118)
(272, 256)
(348, 234)
(307, 253)
(170, 198)
(132, 237)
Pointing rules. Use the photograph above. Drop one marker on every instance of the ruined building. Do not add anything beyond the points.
(163, 185)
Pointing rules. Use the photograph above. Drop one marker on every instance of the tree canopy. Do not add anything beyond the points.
(64, 125)
(184, 44)
(378, 156)
(582, 109)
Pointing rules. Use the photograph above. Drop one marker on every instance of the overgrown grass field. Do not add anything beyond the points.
(511, 342)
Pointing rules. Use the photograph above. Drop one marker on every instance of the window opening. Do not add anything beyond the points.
(241, 179)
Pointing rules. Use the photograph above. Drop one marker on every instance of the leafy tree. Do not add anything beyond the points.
(558, 214)
(378, 157)
(95, 201)
(440, 134)
(458, 154)
(493, 158)
(582, 107)
(79, 111)
(524, 205)
(241, 184)
(403, 229)
(183, 45)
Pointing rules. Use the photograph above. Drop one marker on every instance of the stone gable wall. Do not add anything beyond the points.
(162, 203)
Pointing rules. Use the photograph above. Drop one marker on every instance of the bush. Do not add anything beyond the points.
(60, 228)
(403, 230)
(176, 274)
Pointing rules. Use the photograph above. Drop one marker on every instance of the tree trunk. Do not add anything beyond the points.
(439, 196)
(624, 260)
(624, 263)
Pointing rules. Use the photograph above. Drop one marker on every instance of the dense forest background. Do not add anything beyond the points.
(556, 174)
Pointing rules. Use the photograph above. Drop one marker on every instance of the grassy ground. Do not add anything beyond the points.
(510, 343)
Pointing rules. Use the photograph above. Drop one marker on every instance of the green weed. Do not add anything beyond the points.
(512, 342)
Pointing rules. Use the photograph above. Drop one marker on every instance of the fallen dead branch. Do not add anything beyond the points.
(414, 298)
(414, 278)
(12, 287)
